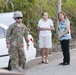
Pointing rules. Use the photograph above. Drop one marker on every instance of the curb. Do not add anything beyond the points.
(55, 54)
(52, 57)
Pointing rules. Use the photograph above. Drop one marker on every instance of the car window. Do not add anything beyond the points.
(2, 32)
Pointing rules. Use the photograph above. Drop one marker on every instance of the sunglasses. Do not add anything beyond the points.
(19, 17)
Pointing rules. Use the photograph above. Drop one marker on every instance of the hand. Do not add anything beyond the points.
(43, 28)
(8, 46)
(59, 36)
(46, 28)
(27, 47)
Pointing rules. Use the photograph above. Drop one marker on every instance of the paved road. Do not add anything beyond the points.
(52, 68)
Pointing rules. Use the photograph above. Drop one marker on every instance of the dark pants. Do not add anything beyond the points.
(65, 50)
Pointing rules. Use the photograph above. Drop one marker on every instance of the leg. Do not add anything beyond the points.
(46, 54)
(13, 52)
(21, 57)
(48, 45)
(41, 45)
(67, 53)
(43, 54)
(65, 49)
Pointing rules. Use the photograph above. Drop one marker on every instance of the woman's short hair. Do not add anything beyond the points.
(43, 13)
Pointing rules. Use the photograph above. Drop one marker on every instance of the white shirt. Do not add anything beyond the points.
(45, 24)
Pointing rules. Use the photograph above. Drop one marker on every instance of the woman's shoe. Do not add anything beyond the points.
(46, 62)
(43, 61)
(63, 64)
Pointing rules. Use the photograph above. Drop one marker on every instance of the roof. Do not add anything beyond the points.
(7, 18)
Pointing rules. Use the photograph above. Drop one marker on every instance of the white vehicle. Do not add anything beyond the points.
(5, 20)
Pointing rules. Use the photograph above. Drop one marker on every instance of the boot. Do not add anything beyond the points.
(17, 69)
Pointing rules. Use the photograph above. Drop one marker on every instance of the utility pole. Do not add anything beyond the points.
(58, 10)
(59, 5)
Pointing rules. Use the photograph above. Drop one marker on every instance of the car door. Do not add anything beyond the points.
(3, 50)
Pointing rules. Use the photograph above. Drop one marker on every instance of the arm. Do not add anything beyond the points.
(8, 36)
(26, 36)
(44, 28)
(51, 28)
(38, 28)
(67, 29)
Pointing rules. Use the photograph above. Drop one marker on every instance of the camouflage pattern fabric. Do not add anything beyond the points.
(14, 37)
(15, 33)
(17, 57)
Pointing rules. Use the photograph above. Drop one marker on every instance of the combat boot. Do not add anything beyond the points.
(17, 69)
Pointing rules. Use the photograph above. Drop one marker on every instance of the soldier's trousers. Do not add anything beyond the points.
(17, 57)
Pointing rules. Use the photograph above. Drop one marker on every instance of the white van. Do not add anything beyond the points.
(5, 20)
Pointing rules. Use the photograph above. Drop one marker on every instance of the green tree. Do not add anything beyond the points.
(32, 10)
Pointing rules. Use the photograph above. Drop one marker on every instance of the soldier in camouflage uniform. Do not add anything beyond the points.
(14, 41)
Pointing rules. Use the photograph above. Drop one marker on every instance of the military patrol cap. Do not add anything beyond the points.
(17, 14)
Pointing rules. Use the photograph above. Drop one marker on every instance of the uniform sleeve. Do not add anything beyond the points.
(26, 35)
(8, 34)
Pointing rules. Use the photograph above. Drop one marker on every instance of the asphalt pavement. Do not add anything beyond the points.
(34, 68)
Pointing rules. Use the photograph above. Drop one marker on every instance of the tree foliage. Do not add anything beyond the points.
(32, 10)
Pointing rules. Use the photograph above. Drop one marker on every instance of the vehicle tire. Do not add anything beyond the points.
(9, 65)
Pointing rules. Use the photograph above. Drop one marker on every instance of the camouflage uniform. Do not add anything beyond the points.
(14, 37)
